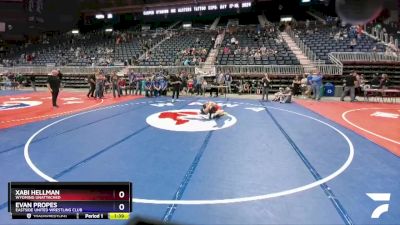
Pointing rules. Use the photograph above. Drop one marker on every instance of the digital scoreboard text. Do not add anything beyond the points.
(70, 200)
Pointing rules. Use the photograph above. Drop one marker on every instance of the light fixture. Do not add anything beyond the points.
(109, 16)
(109, 30)
(99, 16)
(75, 31)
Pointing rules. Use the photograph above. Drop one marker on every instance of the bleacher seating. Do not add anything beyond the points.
(322, 41)
(97, 47)
(168, 52)
(278, 53)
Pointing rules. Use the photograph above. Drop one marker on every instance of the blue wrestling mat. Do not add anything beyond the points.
(262, 163)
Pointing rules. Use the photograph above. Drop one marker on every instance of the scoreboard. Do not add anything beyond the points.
(70, 200)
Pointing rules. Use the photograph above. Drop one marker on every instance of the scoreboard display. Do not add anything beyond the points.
(70, 200)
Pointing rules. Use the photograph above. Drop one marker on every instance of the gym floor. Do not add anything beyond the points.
(263, 163)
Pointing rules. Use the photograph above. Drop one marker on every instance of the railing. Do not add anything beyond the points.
(304, 48)
(330, 69)
(65, 70)
(90, 70)
(363, 57)
(256, 69)
(389, 40)
(326, 69)
(155, 69)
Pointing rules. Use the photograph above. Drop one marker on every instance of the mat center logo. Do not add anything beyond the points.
(10, 105)
(188, 120)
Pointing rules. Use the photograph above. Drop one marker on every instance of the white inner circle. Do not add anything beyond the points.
(190, 120)
(212, 201)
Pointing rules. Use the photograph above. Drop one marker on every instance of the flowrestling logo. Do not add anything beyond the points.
(188, 120)
(10, 105)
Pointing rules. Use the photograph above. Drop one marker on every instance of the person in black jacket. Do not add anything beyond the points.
(92, 85)
(53, 84)
(175, 82)
(265, 86)
(349, 81)
(33, 82)
(384, 82)
(375, 82)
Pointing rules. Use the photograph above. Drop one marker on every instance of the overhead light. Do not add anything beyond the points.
(246, 4)
(75, 31)
(109, 16)
(99, 16)
(109, 30)
(187, 25)
(162, 11)
(148, 12)
(286, 18)
(305, 1)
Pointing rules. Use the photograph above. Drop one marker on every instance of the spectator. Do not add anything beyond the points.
(357, 84)
(186, 62)
(33, 82)
(227, 51)
(163, 86)
(132, 84)
(286, 96)
(184, 80)
(100, 81)
(92, 85)
(199, 81)
(233, 41)
(138, 81)
(303, 84)
(148, 88)
(375, 82)
(316, 84)
(114, 84)
(384, 82)
(204, 86)
(349, 81)
(296, 86)
(278, 95)
(175, 82)
(265, 86)
(190, 85)
(122, 86)
(156, 88)
(353, 43)
(220, 81)
(228, 82)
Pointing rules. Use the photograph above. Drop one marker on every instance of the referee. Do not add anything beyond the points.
(53, 84)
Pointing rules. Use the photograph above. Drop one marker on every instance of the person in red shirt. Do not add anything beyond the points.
(190, 86)
(122, 85)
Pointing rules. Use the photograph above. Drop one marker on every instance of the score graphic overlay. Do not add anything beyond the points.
(70, 200)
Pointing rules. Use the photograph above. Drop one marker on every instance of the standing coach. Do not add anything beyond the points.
(53, 84)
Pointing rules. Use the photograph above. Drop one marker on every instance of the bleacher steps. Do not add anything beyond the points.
(262, 20)
(212, 56)
(303, 59)
(167, 36)
(316, 17)
(173, 25)
(215, 23)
